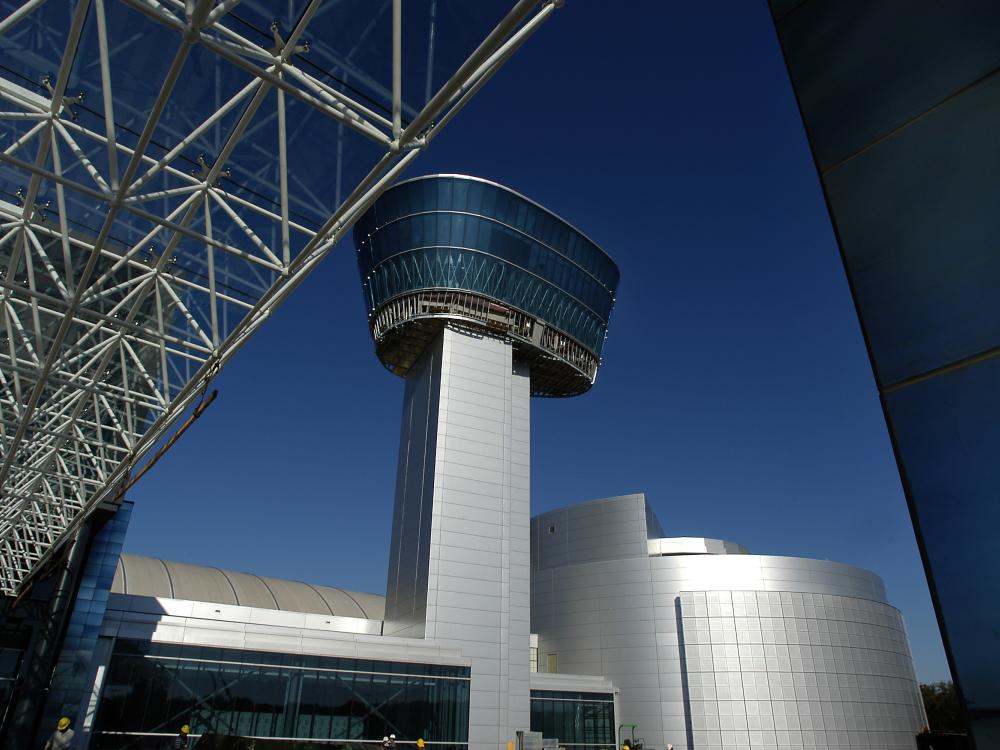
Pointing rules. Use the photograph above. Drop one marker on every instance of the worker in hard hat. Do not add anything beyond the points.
(182, 741)
(392, 741)
(385, 742)
(62, 738)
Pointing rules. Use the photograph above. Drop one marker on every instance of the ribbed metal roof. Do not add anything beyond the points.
(150, 576)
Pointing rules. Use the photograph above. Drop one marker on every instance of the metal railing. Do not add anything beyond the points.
(524, 328)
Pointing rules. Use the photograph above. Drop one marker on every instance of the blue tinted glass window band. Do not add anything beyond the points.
(476, 195)
(494, 220)
(439, 229)
(299, 667)
(500, 259)
(411, 272)
(279, 659)
(490, 276)
(284, 697)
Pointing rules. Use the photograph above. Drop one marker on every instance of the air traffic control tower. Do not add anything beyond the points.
(480, 298)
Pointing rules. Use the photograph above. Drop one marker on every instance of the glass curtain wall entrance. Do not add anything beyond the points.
(277, 700)
(577, 720)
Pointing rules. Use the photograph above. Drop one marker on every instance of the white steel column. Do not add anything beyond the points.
(459, 566)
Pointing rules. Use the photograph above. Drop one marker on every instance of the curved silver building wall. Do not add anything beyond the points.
(721, 650)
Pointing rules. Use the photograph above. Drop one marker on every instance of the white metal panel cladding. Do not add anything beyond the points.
(171, 620)
(596, 530)
(160, 195)
(409, 552)
(621, 617)
(791, 669)
(459, 566)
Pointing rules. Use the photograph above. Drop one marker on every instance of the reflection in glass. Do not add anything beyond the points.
(575, 719)
(451, 232)
(153, 689)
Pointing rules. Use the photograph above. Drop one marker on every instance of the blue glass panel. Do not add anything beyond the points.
(862, 70)
(918, 221)
(948, 436)
(70, 678)
(910, 93)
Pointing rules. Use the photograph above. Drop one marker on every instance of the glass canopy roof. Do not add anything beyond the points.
(170, 171)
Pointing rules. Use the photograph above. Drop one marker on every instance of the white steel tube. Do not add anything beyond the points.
(18, 14)
(484, 50)
(109, 110)
(397, 68)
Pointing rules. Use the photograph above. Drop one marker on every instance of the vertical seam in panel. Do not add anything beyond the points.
(268, 590)
(433, 407)
(505, 520)
(404, 469)
(914, 119)
(236, 597)
(166, 570)
(121, 565)
(351, 597)
(323, 599)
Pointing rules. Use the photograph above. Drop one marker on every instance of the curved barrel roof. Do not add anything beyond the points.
(137, 575)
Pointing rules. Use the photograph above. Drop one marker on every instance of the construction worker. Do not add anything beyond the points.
(182, 741)
(392, 741)
(62, 738)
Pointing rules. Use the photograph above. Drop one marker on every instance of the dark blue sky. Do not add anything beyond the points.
(735, 391)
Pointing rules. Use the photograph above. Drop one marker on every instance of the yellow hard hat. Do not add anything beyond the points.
(63, 724)
(185, 729)
(420, 743)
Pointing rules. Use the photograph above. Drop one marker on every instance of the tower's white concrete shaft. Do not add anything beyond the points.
(459, 564)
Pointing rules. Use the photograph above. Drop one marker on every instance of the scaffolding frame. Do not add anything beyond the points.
(104, 344)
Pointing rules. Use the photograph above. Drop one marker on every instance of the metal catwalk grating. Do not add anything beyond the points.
(170, 171)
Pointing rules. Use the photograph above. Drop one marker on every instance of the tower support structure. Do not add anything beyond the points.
(459, 566)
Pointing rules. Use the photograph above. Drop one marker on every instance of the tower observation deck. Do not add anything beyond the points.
(455, 248)
(479, 298)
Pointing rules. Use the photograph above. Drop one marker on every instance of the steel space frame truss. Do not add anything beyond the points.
(104, 345)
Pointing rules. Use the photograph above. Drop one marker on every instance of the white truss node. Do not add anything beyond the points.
(160, 196)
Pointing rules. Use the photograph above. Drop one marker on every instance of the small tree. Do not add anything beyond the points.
(944, 714)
